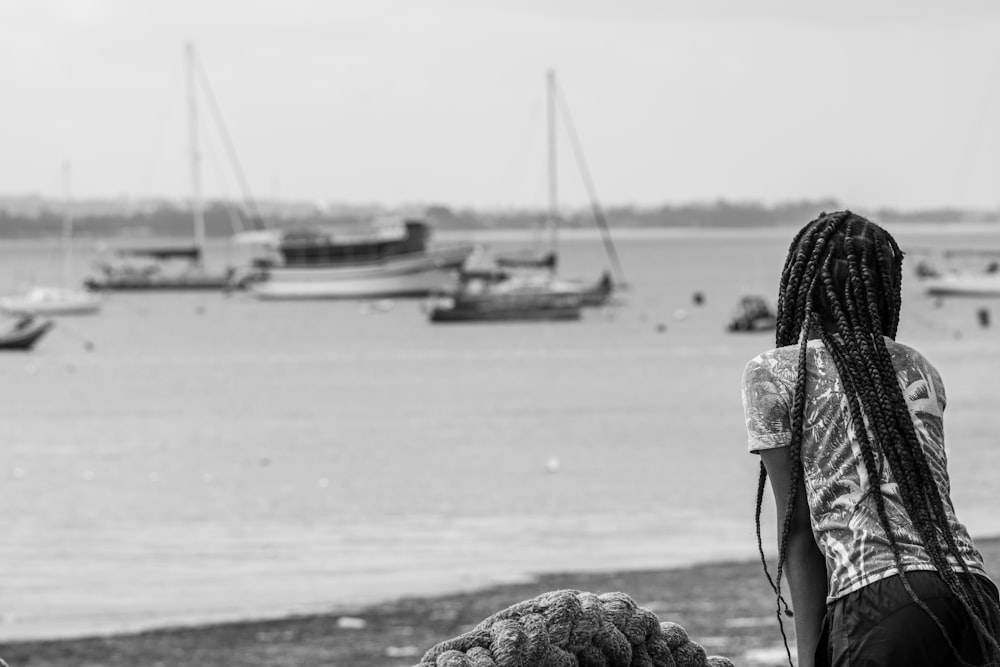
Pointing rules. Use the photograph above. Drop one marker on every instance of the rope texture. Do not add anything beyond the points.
(571, 628)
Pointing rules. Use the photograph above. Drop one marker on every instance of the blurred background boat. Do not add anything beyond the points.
(52, 301)
(964, 284)
(64, 299)
(390, 256)
(524, 284)
(24, 333)
(158, 268)
(492, 296)
(479, 300)
(961, 272)
(171, 268)
(752, 313)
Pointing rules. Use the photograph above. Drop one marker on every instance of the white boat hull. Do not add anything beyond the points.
(417, 275)
(983, 284)
(52, 301)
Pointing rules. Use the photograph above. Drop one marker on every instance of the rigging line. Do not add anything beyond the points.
(235, 221)
(595, 205)
(256, 219)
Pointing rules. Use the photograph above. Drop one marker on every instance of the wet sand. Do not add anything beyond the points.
(726, 607)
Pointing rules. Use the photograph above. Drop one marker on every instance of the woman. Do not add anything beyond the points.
(848, 425)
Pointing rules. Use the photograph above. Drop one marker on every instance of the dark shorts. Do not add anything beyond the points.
(880, 625)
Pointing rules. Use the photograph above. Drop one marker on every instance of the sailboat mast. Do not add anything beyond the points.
(67, 228)
(197, 209)
(553, 176)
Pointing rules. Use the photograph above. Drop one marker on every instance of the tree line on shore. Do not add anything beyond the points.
(222, 219)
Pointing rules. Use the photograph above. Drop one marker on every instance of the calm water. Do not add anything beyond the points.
(185, 457)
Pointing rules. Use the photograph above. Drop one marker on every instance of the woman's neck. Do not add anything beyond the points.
(826, 325)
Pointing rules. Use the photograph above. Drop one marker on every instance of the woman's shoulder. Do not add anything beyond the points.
(777, 353)
(906, 354)
(778, 361)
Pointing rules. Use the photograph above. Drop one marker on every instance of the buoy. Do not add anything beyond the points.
(984, 317)
(698, 298)
(552, 465)
(680, 314)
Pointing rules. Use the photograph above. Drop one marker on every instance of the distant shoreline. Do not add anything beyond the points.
(32, 216)
(518, 234)
(755, 231)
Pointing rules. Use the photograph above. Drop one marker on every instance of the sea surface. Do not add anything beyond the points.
(190, 457)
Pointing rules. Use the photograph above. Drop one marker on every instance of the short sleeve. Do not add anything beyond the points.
(938, 385)
(767, 405)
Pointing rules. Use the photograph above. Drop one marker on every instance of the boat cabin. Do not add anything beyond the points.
(384, 238)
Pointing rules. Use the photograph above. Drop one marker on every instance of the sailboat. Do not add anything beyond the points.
(538, 258)
(525, 286)
(63, 299)
(177, 267)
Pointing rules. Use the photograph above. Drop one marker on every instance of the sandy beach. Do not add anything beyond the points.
(726, 607)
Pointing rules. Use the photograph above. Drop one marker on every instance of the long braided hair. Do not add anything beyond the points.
(845, 270)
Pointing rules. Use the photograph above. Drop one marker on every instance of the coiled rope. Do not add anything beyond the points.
(571, 628)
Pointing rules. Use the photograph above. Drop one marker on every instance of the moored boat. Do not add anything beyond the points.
(539, 264)
(524, 297)
(52, 301)
(24, 333)
(170, 268)
(158, 268)
(61, 300)
(973, 272)
(521, 305)
(964, 284)
(390, 257)
(752, 313)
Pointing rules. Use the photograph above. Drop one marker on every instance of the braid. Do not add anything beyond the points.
(761, 482)
(849, 270)
(786, 276)
(917, 485)
(798, 270)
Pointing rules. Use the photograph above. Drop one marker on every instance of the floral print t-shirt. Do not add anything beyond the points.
(842, 508)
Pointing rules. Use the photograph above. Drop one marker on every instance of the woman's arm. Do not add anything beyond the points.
(804, 562)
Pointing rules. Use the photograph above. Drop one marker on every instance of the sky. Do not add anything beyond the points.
(402, 102)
